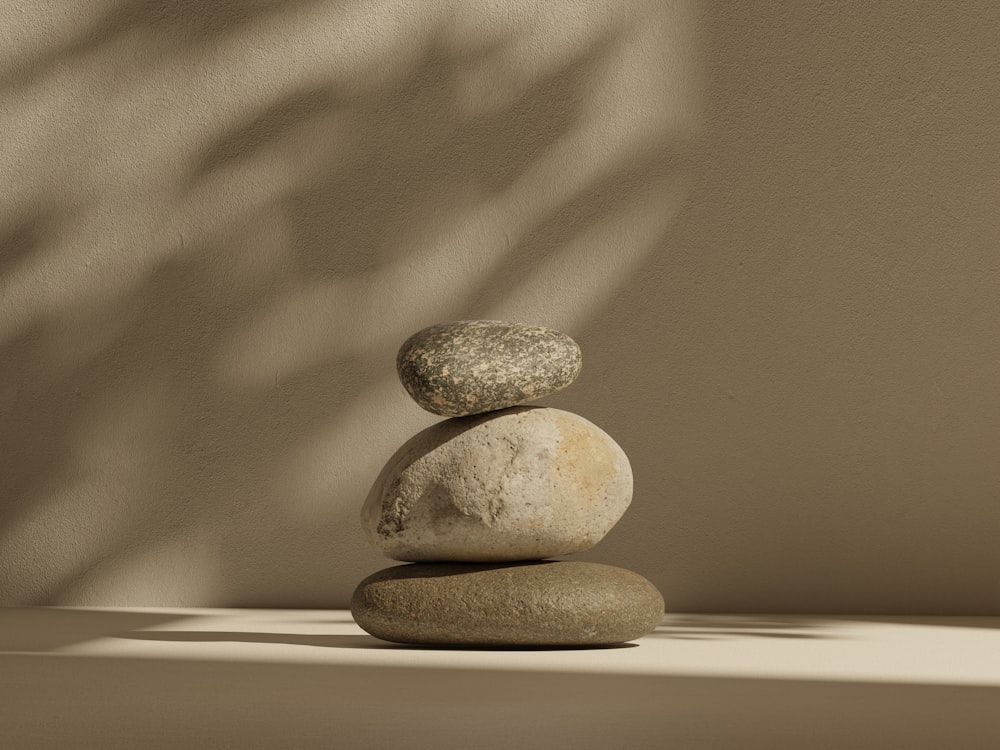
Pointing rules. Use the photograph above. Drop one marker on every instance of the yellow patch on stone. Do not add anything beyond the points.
(585, 457)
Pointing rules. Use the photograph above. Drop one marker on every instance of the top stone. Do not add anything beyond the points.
(474, 366)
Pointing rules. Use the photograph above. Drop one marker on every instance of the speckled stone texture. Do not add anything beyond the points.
(474, 366)
(523, 604)
(523, 483)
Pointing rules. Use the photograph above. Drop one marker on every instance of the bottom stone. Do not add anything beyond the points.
(544, 603)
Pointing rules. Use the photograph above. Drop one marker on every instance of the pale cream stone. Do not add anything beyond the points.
(518, 484)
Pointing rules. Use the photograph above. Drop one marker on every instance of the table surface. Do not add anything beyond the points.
(110, 677)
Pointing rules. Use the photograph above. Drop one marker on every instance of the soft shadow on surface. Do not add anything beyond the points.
(451, 647)
(803, 627)
(742, 622)
(694, 627)
(43, 628)
(333, 620)
(337, 641)
(943, 621)
(709, 634)
(291, 639)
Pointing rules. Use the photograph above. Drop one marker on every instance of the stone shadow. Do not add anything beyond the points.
(291, 639)
(37, 629)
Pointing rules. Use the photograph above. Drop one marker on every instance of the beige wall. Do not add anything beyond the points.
(772, 227)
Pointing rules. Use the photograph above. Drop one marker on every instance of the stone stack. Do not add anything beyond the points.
(477, 502)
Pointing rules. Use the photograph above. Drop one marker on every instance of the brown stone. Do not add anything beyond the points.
(549, 603)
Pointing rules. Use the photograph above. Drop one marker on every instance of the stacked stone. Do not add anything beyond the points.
(477, 502)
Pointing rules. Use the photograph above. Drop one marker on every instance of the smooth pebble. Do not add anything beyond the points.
(524, 604)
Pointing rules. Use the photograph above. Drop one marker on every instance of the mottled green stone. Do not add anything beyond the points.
(548, 603)
(474, 366)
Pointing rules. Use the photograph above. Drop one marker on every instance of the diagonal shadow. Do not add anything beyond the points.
(708, 627)
(197, 453)
(40, 629)
(185, 23)
(338, 641)
(290, 639)
(722, 634)
(953, 621)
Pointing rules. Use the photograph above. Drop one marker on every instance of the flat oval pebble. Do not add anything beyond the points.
(526, 604)
(473, 366)
(524, 483)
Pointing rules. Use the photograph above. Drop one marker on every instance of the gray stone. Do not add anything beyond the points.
(523, 483)
(523, 604)
(474, 366)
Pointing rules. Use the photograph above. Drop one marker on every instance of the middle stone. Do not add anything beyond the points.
(523, 483)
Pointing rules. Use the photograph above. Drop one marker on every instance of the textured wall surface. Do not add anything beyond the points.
(772, 227)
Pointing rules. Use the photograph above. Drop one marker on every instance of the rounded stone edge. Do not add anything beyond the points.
(373, 506)
(642, 626)
(408, 377)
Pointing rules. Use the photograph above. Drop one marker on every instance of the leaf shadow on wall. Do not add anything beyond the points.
(177, 25)
(160, 461)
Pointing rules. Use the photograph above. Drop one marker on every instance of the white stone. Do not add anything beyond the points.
(517, 484)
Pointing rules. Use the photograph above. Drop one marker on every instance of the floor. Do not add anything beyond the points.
(200, 678)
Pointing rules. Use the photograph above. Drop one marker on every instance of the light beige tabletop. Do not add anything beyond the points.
(151, 678)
